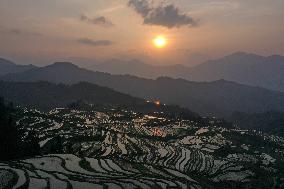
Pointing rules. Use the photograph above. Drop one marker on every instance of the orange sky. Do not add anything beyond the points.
(40, 32)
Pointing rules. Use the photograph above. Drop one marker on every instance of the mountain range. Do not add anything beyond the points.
(240, 67)
(219, 98)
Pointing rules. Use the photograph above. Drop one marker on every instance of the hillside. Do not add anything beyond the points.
(219, 98)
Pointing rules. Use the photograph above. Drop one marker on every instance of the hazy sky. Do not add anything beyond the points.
(43, 31)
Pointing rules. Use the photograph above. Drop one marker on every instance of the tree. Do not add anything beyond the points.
(12, 144)
(9, 134)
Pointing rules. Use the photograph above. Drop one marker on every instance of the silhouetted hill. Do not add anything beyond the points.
(219, 98)
(59, 72)
(44, 95)
(7, 67)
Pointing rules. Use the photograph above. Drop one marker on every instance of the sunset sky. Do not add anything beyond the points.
(43, 31)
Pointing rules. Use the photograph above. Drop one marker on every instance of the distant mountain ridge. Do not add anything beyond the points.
(249, 69)
(140, 69)
(219, 98)
(245, 68)
(7, 67)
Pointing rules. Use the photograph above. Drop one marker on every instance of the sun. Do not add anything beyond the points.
(160, 42)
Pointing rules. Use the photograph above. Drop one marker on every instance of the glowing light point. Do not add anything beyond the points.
(157, 103)
(160, 42)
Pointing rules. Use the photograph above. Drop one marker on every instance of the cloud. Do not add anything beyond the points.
(96, 43)
(162, 15)
(19, 32)
(100, 21)
(142, 7)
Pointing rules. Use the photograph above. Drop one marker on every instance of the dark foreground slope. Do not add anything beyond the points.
(219, 98)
